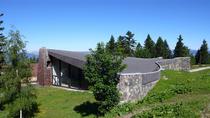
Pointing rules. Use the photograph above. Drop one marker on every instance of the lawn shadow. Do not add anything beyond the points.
(87, 108)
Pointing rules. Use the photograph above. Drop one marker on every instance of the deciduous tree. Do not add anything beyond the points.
(101, 71)
(17, 93)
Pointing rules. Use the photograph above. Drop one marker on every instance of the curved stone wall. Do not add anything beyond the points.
(135, 86)
(179, 63)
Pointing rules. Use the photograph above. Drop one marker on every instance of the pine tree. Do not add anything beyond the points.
(167, 52)
(192, 59)
(150, 46)
(197, 57)
(159, 46)
(129, 44)
(126, 44)
(181, 50)
(202, 54)
(2, 60)
(2, 45)
(17, 93)
(110, 46)
(140, 52)
(120, 50)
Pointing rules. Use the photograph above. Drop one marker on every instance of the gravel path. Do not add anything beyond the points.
(199, 69)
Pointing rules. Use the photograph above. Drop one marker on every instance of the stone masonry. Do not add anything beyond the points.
(179, 63)
(44, 74)
(134, 87)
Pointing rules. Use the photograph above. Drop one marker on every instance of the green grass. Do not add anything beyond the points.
(191, 90)
(58, 103)
(177, 94)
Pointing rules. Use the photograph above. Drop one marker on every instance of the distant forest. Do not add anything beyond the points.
(127, 46)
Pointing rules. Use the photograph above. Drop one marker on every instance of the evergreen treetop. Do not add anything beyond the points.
(159, 46)
(149, 44)
(2, 45)
(110, 46)
(202, 54)
(167, 52)
(181, 50)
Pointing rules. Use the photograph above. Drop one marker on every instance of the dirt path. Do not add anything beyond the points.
(199, 69)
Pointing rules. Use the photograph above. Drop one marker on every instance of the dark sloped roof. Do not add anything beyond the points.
(134, 65)
(74, 58)
(140, 65)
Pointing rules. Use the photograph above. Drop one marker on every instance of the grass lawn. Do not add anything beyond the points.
(177, 93)
(58, 103)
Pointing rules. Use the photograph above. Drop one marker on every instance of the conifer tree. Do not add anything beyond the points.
(150, 45)
(110, 46)
(202, 54)
(2, 45)
(159, 46)
(181, 50)
(141, 52)
(126, 44)
(197, 57)
(120, 50)
(167, 52)
(129, 44)
(138, 51)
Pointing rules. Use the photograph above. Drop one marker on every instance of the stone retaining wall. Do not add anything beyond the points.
(135, 86)
(179, 63)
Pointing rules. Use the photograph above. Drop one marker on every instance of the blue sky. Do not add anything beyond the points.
(79, 24)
